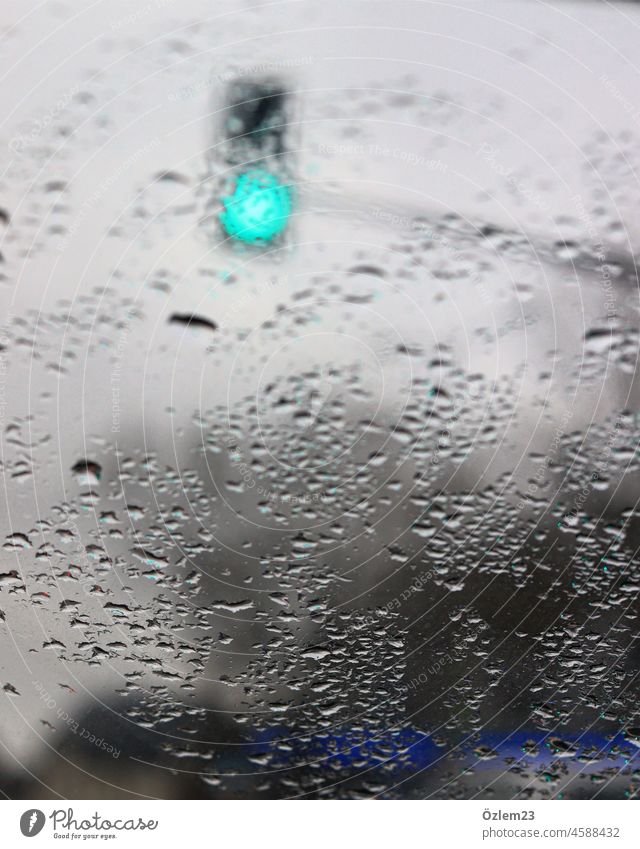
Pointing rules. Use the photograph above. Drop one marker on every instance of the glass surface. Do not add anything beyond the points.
(347, 509)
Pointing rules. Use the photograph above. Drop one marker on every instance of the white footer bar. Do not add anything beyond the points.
(320, 825)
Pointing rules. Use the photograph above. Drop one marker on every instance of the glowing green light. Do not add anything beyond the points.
(259, 208)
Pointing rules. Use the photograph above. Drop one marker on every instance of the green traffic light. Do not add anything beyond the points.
(258, 210)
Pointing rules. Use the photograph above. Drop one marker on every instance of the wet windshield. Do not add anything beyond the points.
(318, 401)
